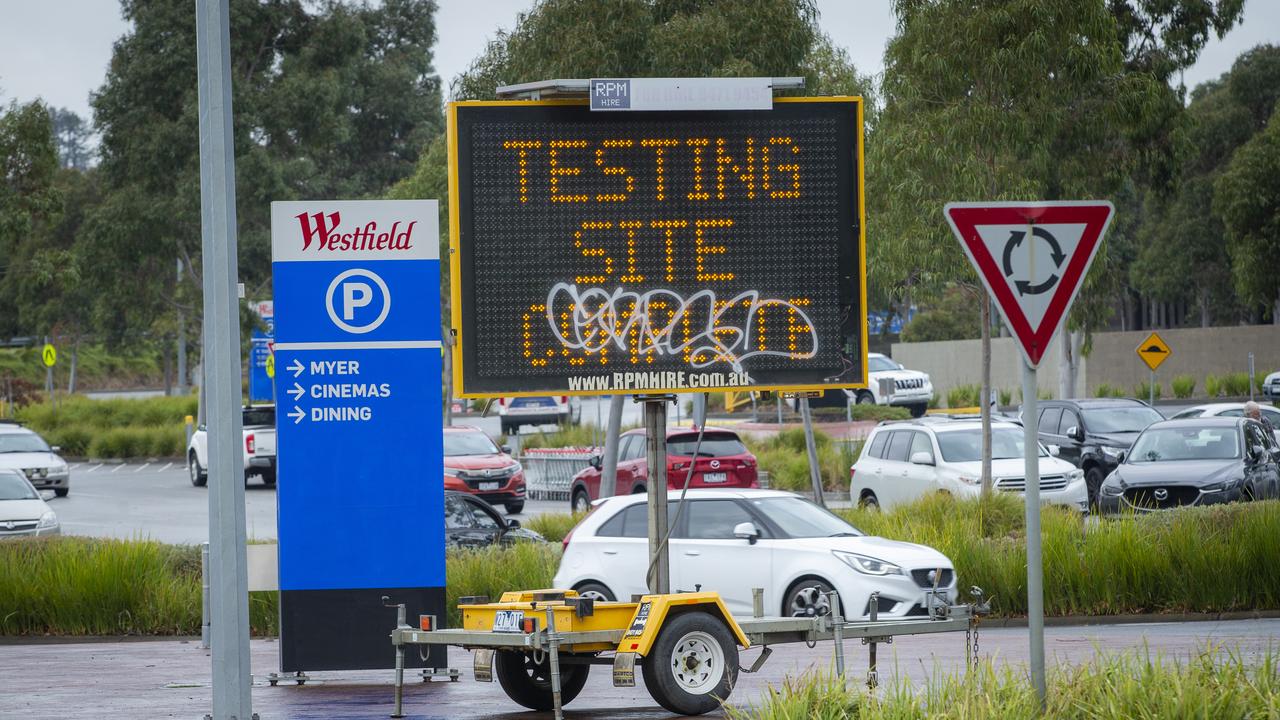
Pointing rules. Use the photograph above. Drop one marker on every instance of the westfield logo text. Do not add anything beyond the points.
(323, 230)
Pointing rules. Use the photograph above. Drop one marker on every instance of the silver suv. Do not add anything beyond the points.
(23, 450)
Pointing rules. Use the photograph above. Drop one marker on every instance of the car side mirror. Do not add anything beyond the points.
(596, 462)
(1122, 456)
(506, 449)
(922, 458)
(1054, 451)
(1258, 453)
(746, 531)
(1075, 433)
(47, 495)
(513, 524)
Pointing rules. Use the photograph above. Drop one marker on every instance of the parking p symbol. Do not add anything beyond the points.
(357, 294)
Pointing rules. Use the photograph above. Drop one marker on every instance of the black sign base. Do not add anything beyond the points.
(351, 629)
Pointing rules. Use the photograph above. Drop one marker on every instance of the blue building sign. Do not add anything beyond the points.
(260, 389)
(357, 378)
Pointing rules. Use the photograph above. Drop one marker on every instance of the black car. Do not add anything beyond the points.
(471, 522)
(1197, 461)
(1093, 434)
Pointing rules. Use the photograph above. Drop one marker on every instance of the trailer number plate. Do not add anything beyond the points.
(508, 621)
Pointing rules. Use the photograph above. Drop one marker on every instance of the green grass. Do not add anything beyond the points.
(1108, 687)
(1236, 384)
(878, 412)
(1107, 390)
(494, 570)
(963, 396)
(119, 428)
(1142, 390)
(1184, 386)
(1213, 385)
(553, 526)
(786, 459)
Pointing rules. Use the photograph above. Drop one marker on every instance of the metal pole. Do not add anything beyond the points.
(1035, 568)
(815, 476)
(609, 476)
(401, 622)
(778, 399)
(229, 591)
(699, 409)
(1151, 390)
(655, 428)
(553, 659)
(182, 340)
(1251, 376)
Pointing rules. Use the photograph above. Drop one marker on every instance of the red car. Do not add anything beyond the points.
(722, 462)
(473, 464)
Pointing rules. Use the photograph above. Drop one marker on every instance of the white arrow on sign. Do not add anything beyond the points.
(296, 391)
(296, 367)
(297, 414)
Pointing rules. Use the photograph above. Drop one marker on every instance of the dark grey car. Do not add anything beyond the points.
(1197, 461)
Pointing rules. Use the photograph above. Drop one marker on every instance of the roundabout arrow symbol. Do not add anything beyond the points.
(1015, 239)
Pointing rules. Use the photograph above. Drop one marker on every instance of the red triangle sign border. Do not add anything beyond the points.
(1095, 215)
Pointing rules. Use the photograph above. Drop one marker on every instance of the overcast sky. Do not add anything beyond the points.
(58, 49)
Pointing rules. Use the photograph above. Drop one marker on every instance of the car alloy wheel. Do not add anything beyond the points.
(810, 599)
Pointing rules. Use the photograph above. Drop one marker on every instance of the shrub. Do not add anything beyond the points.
(554, 526)
(786, 460)
(1237, 384)
(494, 570)
(1143, 390)
(566, 436)
(1184, 386)
(1212, 385)
(136, 442)
(934, 402)
(878, 412)
(1107, 390)
(1006, 397)
(963, 396)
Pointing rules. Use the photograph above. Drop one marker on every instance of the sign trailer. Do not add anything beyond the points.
(1032, 257)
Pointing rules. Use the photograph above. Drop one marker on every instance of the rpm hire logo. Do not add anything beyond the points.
(325, 231)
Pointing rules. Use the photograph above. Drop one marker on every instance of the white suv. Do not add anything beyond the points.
(731, 541)
(889, 383)
(514, 412)
(904, 461)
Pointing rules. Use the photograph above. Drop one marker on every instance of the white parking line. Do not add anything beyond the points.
(95, 467)
(166, 467)
(75, 465)
(117, 468)
(142, 467)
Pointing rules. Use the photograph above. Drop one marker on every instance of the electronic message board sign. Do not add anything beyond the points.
(634, 252)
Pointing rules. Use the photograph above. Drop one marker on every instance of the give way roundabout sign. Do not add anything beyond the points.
(1032, 257)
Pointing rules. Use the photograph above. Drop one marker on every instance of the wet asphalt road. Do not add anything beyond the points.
(170, 678)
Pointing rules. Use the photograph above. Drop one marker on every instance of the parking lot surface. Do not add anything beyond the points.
(170, 678)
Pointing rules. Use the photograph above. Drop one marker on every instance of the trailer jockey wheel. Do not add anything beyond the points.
(529, 683)
(692, 665)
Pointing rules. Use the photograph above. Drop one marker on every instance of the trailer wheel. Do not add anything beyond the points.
(693, 664)
(529, 683)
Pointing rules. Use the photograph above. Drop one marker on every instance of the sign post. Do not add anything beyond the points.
(358, 364)
(1032, 258)
(1154, 351)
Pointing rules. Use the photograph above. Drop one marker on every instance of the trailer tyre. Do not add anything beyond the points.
(529, 683)
(693, 664)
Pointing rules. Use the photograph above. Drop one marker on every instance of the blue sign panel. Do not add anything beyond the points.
(260, 389)
(357, 371)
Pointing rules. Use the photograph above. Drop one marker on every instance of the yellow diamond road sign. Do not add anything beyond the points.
(49, 355)
(1154, 351)
(271, 366)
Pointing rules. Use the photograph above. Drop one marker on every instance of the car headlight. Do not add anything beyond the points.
(1113, 485)
(1075, 475)
(969, 480)
(1112, 453)
(47, 520)
(513, 468)
(867, 565)
(1220, 486)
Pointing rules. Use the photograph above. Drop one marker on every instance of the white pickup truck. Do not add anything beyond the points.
(259, 448)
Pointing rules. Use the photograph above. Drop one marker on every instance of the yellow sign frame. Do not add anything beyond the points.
(455, 256)
(1154, 358)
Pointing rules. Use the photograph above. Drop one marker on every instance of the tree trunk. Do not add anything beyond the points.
(168, 373)
(1204, 308)
(1073, 379)
(1275, 311)
(1064, 362)
(986, 393)
(75, 361)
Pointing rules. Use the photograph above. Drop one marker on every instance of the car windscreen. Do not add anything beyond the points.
(881, 364)
(966, 445)
(15, 487)
(799, 518)
(714, 444)
(470, 443)
(21, 442)
(1185, 443)
(1120, 419)
(256, 416)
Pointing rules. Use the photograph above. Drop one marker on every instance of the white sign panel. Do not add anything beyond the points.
(355, 230)
(682, 93)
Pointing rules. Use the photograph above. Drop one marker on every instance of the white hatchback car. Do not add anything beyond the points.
(1231, 410)
(732, 541)
(904, 461)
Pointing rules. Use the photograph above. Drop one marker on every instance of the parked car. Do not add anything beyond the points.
(731, 541)
(24, 450)
(472, 522)
(1230, 410)
(23, 510)
(889, 383)
(1093, 434)
(259, 446)
(474, 464)
(1196, 461)
(1271, 385)
(516, 412)
(722, 461)
(904, 461)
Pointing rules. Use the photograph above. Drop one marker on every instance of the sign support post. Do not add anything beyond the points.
(229, 584)
(655, 428)
(811, 448)
(1035, 564)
